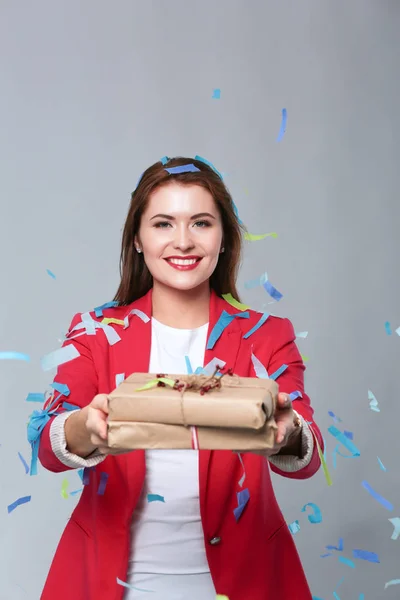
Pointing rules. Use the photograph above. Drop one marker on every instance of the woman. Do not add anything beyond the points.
(180, 252)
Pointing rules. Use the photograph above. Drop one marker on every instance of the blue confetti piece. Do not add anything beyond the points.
(50, 273)
(334, 417)
(14, 356)
(365, 555)
(326, 555)
(385, 503)
(216, 93)
(272, 291)
(278, 372)
(316, 598)
(347, 561)
(24, 462)
(75, 492)
(191, 168)
(80, 473)
(294, 396)
(283, 125)
(62, 388)
(98, 311)
(316, 516)
(373, 404)
(164, 160)
(348, 434)
(242, 499)
(348, 444)
(388, 328)
(224, 320)
(382, 466)
(69, 406)
(209, 164)
(35, 397)
(18, 502)
(235, 210)
(103, 483)
(339, 547)
(188, 366)
(86, 475)
(336, 596)
(260, 322)
(155, 498)
(294, 527)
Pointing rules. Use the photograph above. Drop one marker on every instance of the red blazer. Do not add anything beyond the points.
(254, 558)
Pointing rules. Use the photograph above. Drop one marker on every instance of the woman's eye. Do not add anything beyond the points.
(162, 224)
(203, 223)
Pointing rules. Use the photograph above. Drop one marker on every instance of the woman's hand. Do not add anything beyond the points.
(96, 425)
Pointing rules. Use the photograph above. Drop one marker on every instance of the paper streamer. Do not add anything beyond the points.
(253, 237)
(346, 561)
(316, 516)
(382, 466)
(216, 94)
(278, 372)
(26, 467)
(155, 498)
(98, 311)
(112, 321)
(59, 357)
(62, 388)
(64, 489)
(14, 356)
(190, 168)
(131, 587)
(373, 404)
(392, 582)
(344, 440)
(18, 502)
(242, 499)
(260, 371)
(272, 291)
(235, 303)
(385, 503)
(365, 555)
(261, 321)
(137, 313)
(323, 460)
(294, 527)
(388, 328)
(102, 484)
(396, 524)
(35, 397)
(224, 320)
(283, 125)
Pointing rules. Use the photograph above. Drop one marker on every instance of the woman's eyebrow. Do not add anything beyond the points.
(171, 218)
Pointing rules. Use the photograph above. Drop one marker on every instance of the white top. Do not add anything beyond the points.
(168, 553)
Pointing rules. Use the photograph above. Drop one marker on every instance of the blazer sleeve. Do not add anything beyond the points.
(285, 352)
(81, 378)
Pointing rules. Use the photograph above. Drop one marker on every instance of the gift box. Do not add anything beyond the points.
(192, 411)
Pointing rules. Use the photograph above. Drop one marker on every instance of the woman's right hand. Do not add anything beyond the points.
(96, 425)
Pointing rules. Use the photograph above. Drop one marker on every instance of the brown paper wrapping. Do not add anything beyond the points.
(236, 416)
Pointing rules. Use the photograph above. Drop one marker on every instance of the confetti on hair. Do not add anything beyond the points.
(385, 503)
(224, 320)
(396, 524)
(382, 466)
(373, 404)
(242, 499)
(64, 489)
(392, 582)
(131, 587)
(190, 168)
(260, 322)
(103, 483)
(59, 357)
(283, 125)
(347, 561)
(254, 237)
(216, 94)
(294, 527)
(348, 444)
(235, 303)
(155, 498)
(316, 516)
(164, 160)
(18, 502)
(98, 311)
(388, 328)
(235, 210)
(278, 372)
(208, 163)
(365, 555)
(50, 273)
(35, 397)
(26, 467)
(14, 356)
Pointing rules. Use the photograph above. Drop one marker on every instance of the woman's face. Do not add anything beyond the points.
(180, 236)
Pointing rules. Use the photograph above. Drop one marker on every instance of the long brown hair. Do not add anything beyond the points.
(136, 279)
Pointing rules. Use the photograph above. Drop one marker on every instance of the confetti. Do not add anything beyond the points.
(382, 466)
(396, 524)
(253, 283)
(155, 498)
(243, 477)
(216, 94)
(272, 291)
(283, 125)
(62, 388)
(385, 503)
(388, 329)
(294, 527)
(392, 582)
(224, 320)
(154, 383)
(138, 313)
(398, 331)
(365, 555)
(26, 467)
(242, 499)
(323, 460)
(14, 356)
(75, 492)
(334, 417)
(59, 357)
(103, 483)
(349, 434)
(304, 358)
(50, 273)
(235, 303)
(316, 517)
(278, 372)
(208, 163)
(189, 368)
(164, 160)
(347, 561)
(112, 321)
(339, 547)
(119, 378)
(302, 334)
(221, 597)
(259, 369)
(261, 321)
(35, 397)
(253, 237)
(210, 367)
(190, 168)
(294, 396)
(348, 444)
(374, 405)
(18, 502)
(64, 489)
(131, 587)
(98, 311)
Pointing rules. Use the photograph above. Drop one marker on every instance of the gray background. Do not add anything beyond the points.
(94, 92)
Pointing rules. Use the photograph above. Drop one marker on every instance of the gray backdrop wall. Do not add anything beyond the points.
(91, 94)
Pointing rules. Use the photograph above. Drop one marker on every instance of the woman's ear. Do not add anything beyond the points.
(137, 245)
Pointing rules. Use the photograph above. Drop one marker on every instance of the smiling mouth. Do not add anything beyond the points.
(184, 262)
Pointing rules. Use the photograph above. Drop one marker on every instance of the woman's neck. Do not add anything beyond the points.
(183, 309)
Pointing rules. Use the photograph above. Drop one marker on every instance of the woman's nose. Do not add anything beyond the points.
(183, 239)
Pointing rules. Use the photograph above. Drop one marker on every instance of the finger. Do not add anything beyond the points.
(100, 402)
(282, 430)
(284, 400)
(96, 422)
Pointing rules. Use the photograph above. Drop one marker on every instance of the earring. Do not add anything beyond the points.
(222, 249)
(138, 250)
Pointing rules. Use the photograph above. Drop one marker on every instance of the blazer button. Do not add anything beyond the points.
(215, 541)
